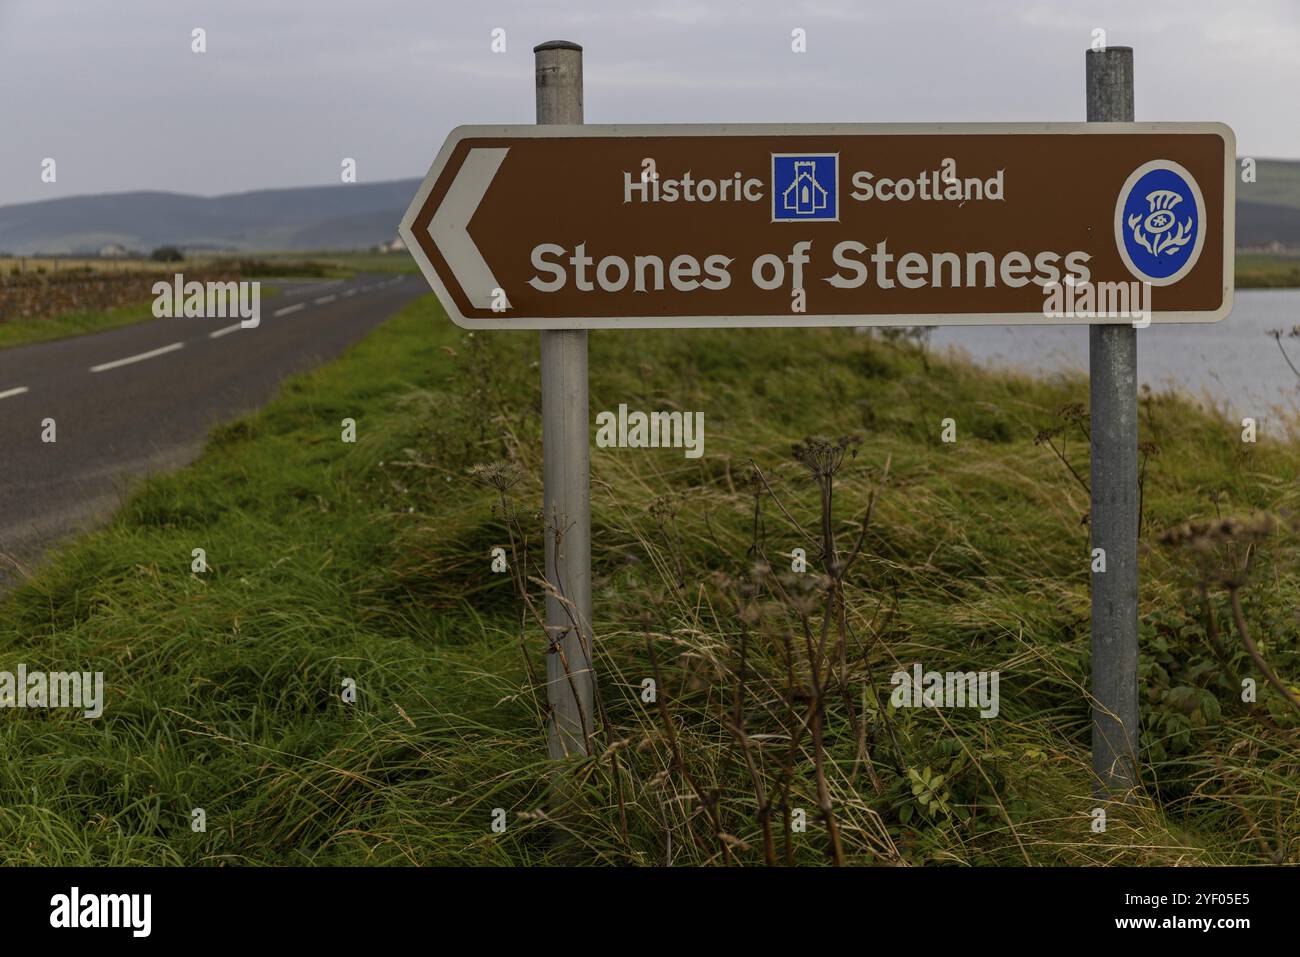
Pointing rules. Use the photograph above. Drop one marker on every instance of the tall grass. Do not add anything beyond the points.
(371, 562)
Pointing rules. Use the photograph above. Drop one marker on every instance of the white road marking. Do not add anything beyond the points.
(350, 292)
(140, 358)
(324, 299)
(226, 331)
(288, 309)
(312, 287)
(18, 391)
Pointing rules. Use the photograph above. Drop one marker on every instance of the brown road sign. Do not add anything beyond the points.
(754, 225)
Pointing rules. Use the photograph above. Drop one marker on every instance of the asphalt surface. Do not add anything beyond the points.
(152, 414)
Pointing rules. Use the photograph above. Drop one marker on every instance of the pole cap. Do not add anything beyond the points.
(557, 45)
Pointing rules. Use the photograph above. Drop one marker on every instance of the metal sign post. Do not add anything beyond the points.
(566, 470)
(1112, 358)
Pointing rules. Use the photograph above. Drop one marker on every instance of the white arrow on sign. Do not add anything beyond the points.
(449, 226)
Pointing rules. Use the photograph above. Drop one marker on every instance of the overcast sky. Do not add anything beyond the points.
(287, 88)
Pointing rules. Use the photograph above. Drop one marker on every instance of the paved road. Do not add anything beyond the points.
(117, 421)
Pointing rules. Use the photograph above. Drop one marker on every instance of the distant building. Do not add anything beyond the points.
(395, 245)
(113, 251)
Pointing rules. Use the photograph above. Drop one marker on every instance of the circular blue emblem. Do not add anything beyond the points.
(1160, 222)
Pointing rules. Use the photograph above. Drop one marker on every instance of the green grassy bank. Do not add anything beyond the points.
(370, 562)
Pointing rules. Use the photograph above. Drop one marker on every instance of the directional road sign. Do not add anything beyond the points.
(579, 227)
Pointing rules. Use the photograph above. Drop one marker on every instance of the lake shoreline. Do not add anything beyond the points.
(1232, 366)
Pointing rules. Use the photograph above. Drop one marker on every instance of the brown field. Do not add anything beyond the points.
(46, 294)
(45, 288)
(42, 265)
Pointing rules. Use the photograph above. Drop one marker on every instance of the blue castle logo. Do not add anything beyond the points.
(805, 186)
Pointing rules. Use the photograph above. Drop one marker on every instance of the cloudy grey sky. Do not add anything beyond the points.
(287, 88)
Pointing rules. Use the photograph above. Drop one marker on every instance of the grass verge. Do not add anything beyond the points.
(21, 332)
(334, 564)
(26, 331)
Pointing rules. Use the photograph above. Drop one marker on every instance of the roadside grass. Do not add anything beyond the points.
(371, 562)
(21, 332)
(26, 331)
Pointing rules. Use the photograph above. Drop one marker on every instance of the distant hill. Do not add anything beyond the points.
(359, 215)
(350, 216)
(1261, 225)
(1268, 210)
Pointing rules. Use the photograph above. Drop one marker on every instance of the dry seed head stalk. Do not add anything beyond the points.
(1073, 412)
(1206, 534)
(663, 509)
(499, 475)
(823, 457)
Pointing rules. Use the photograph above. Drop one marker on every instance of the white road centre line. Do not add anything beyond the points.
(324, 299)
(8, 392)
(288, 309)
(104, 367)
(226, 331)
(350, 292)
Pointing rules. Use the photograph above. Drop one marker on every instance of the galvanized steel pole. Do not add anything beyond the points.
(566, 471)
(1112, 355)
